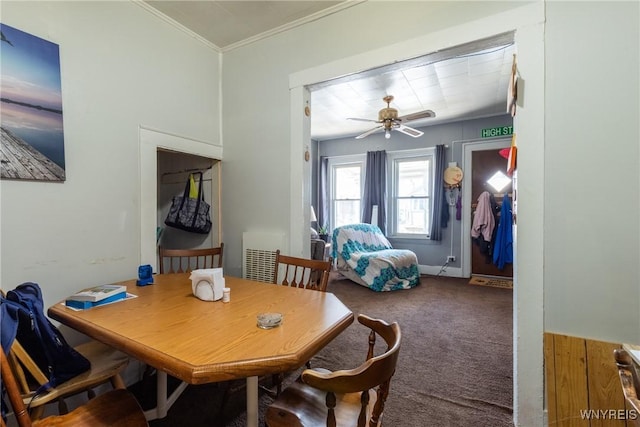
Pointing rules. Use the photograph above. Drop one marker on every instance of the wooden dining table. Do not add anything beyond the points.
(168, 328)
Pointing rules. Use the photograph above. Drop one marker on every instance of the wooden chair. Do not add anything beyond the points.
(353, 397)
(302, 272)
(106, 365)
(627, 371)
(113, 408)
(185, 260)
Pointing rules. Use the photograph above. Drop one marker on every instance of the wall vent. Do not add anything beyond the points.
(259, 265)
(259, 254)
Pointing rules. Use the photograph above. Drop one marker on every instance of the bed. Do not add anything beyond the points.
(364, 255)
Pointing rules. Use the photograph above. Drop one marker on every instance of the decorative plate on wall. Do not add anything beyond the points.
(453, 175)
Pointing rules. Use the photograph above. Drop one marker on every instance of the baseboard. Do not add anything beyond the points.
(435, 270)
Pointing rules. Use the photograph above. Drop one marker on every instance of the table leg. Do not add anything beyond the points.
(161, 394)
(163, 400)
(252, 401)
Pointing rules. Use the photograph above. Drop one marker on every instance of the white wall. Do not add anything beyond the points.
(121, 68)
(591, 268)
(256, 100)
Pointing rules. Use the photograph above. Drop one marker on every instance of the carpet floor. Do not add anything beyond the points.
(454, 369)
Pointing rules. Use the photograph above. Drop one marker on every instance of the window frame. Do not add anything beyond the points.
(393, 159)
(343, 161)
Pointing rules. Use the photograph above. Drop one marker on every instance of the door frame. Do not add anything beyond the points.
(149, 142)
(468, 147)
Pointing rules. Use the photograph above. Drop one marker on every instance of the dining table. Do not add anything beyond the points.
(165, 326)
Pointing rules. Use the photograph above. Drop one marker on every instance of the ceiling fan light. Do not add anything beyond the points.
(387, 134)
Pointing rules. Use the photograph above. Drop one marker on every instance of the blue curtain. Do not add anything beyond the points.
(375, 188)
(323, 195)
(439, 217)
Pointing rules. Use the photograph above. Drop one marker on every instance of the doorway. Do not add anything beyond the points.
(528, 22)
(150, 142)
(488, 175)
(174, 169)
(487, 158)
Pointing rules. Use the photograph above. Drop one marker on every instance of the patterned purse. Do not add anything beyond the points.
(190, 214)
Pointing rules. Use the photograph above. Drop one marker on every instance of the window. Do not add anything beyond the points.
(411, 182)
(347, 183)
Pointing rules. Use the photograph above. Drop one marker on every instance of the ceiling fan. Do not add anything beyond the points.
(389, 120)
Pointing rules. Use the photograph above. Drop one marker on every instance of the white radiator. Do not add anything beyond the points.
(259, 254)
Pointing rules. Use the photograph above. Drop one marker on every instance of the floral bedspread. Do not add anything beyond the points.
(364, 255)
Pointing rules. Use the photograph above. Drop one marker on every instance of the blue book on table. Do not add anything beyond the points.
(88, 304)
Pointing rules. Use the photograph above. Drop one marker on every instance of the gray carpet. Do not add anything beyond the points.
(455, 365)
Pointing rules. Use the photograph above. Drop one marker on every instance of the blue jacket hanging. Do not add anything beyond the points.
(503, 248)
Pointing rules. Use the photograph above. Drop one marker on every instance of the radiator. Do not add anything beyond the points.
(259, 254)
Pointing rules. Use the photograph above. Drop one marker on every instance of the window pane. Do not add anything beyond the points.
(347, 185)
(347, 212)
(413, 216)
(413, 178)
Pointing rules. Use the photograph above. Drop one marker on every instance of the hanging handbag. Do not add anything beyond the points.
(190, 214)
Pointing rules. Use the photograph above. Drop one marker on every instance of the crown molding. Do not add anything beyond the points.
(310, 18)
(176, 24)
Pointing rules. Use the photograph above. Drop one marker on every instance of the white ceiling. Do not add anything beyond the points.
(465, 82)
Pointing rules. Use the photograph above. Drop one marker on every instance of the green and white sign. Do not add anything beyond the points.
(497, 131)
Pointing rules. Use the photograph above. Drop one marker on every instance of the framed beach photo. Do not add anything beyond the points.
(30, 108)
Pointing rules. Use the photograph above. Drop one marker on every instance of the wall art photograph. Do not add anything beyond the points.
(30, 108)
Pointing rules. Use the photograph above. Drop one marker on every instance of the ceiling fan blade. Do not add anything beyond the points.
(369, 132)
(409, 131)
(362, 120)
(426, 114)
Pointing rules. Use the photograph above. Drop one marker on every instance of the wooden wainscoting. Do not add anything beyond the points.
(581, 375)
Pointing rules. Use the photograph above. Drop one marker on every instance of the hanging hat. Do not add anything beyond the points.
(453, 175)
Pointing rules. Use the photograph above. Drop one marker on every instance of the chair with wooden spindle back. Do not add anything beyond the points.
(113, 408)
(106, 365)
(302, 272)
(353, 397)
(628, 373)
(185, 260)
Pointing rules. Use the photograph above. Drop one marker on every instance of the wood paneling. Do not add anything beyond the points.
(581, 376)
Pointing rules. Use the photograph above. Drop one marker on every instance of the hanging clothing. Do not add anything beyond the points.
(459, 208)
(503, 248)
(483, 219)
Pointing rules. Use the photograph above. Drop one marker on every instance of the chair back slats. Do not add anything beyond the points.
(301, 272)
(20, 354)
(371, 374)
(186, 260)
(331, 405)
(354, 397)
(372, 344)
(364, 405)
(378, 408)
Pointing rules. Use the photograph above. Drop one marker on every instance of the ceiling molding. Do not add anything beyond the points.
(309, 18)
(176, 24)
